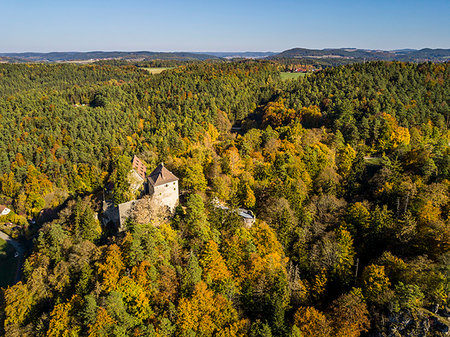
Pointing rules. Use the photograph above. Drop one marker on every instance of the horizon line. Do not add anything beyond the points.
(206, 51)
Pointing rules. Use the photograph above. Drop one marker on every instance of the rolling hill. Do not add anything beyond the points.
(329, 57)
(102, 55)
(351, 55)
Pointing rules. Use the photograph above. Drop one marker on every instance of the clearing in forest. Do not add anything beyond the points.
(156, 70)
(290, 76)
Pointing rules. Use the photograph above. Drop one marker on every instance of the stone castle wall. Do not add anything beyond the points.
(166, 195)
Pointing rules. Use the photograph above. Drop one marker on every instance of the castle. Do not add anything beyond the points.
(157, 196)
(163, 186)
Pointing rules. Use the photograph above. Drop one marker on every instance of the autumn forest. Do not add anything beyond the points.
(347, 171)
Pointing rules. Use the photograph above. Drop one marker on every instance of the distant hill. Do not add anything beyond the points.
(131, 56)
(350, 55)
(6, 59)
(247, 54)
(101, 55)
(427, 54)
(326, 57)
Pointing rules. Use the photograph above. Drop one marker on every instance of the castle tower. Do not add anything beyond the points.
(163, 185)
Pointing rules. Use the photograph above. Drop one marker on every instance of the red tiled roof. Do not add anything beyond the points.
(139, 167)
(161, 176)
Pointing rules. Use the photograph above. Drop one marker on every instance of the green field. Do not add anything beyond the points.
(7, 264)
(290, 76)
(156, 70)
(375, 161)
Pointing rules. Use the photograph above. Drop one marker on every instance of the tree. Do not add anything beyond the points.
(111, 268)
(247, 196)
(266, 291)
(311, 322)
(206, 314)
(50, 241)
(260, 329)
(348, 315)
(18, 303)
(408, 296)
(393, 134)
(276, 114)
(9, 186)
(61, 320)
(192, 274)
(344, 268)
(231, 162)
(122, 167)
(215, 271)
(86, 225)
(102, 326)
(345, 158)
(375, 282)
(358, 217)
(196, 222)
(194, 178)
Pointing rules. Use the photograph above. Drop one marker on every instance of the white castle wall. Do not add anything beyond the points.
(166, 195)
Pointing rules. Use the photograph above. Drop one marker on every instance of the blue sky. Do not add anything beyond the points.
(193, 25)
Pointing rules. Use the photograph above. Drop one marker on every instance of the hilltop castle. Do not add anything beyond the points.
(163, 186)
(157, 196)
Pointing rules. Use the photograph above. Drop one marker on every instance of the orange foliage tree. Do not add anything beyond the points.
(206, 314)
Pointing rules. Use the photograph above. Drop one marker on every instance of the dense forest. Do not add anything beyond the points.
(347, 171)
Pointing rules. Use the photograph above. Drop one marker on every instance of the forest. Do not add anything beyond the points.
(347, 171)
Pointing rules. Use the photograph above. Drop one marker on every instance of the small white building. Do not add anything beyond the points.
(4, 210)
(246, 215)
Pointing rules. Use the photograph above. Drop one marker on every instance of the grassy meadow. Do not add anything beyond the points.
(156, 70)
(290, 76)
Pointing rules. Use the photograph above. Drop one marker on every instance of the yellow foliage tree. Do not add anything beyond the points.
(311, 322)
(111, 268)
(102, 324)
(311, 116)
(318, 285)
(61, 320)
(429, 213)
(236, 257)
(344, 265)
(394, 135)
(8, 185)
(18, 301)
(269, 256)
(215, 271)
(206, 314)
(375, 281)
(349, 315)
(276, 114)
(136, 297)
(140, 275)
(248, 197)
(266, 240)
(345, 159)
(231, 162)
